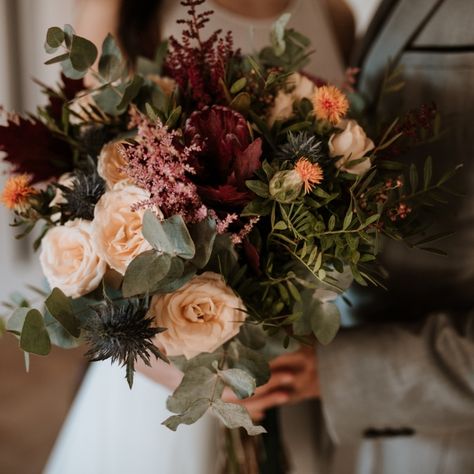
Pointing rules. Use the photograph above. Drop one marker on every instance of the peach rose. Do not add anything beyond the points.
(351, 143)
(166, 84)
(111, 164)
(117, 229)
(199, 317)
(69, 259)
(300, 88)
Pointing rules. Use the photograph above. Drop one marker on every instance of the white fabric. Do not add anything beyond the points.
(112, 430)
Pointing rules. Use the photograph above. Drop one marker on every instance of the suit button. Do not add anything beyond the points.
(388, 432)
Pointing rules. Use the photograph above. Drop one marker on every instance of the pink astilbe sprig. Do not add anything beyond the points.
(198, 65)
(160, 163)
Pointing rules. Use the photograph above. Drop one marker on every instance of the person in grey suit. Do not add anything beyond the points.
(397, 389)
(411, 386)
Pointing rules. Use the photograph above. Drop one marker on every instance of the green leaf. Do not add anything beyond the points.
(347, 220)
(174, 117)
(239, 381)
(111, 64)
(258, 187)
(54, 37)
(277, 35)
(83, 53)
(235, 416)
(427, 172)
(325, 322)
(130, 92)
(198, 383)
(238, 85)
(203, 235)
(160, 55)
(258, 207)
(145, 272)
(16, 320)
(59, 306)
(58, 335)
(250, 360)
(57, 59)
(34, 336)
(170, 236)
(194, 412)
(241, 102)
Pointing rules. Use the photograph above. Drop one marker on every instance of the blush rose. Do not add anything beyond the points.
(117, 228)
(350, 144)
(199, 317)
(70, 260)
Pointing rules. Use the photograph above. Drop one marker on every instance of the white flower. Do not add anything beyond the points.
(199, 317)
(111, 164)
(351, 144)
(301, 88)
(69, 259)
(117, 229)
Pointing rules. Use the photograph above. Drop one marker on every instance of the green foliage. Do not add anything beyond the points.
(59, 306)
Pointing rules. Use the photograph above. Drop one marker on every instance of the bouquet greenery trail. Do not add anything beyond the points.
(201, 204)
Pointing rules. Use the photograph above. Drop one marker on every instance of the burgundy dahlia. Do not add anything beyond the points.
(227, 156)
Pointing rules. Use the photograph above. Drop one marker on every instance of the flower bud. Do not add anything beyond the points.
(286, 186)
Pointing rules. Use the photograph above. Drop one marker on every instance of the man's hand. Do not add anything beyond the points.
(294, 378)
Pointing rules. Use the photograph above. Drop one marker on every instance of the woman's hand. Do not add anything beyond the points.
(294, 379)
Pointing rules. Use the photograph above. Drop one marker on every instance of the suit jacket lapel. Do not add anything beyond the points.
(394, 27)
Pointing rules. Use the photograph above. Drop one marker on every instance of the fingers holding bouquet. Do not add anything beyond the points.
(294, 378)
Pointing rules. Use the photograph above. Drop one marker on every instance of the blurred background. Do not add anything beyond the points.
(33, 405)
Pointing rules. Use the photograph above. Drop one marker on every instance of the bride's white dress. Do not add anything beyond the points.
(114, 430)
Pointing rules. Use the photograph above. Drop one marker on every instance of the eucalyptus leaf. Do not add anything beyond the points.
(145, 272)
(59, 306)
(235, 416)
(83, 53)
(54, 37)
(325, 321)
(239, 381)
(203, 235)
(111, 64)
(193, 413)
(16, 320)
(198, 383)
(170, 236)
(250, 360)
(34, 336)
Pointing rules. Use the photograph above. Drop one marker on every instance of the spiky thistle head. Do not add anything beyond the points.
(301, 145)
(122, 333)
(79, 198)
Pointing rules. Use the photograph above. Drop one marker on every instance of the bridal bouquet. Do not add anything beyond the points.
(205, 204)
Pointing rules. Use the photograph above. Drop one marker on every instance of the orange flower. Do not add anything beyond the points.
(310, 173)
(330, 104)
(17, 192)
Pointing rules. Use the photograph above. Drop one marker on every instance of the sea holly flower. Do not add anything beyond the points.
(227, 156)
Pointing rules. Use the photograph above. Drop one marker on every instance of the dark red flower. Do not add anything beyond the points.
(32, 148)
(228, 156)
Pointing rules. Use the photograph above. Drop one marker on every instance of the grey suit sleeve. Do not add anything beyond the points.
(393, 376)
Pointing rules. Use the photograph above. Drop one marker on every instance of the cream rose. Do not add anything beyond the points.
(69, 259)
(117, 229)
(199, 317)
(351, 143)
(300, 87)
(111, 163)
